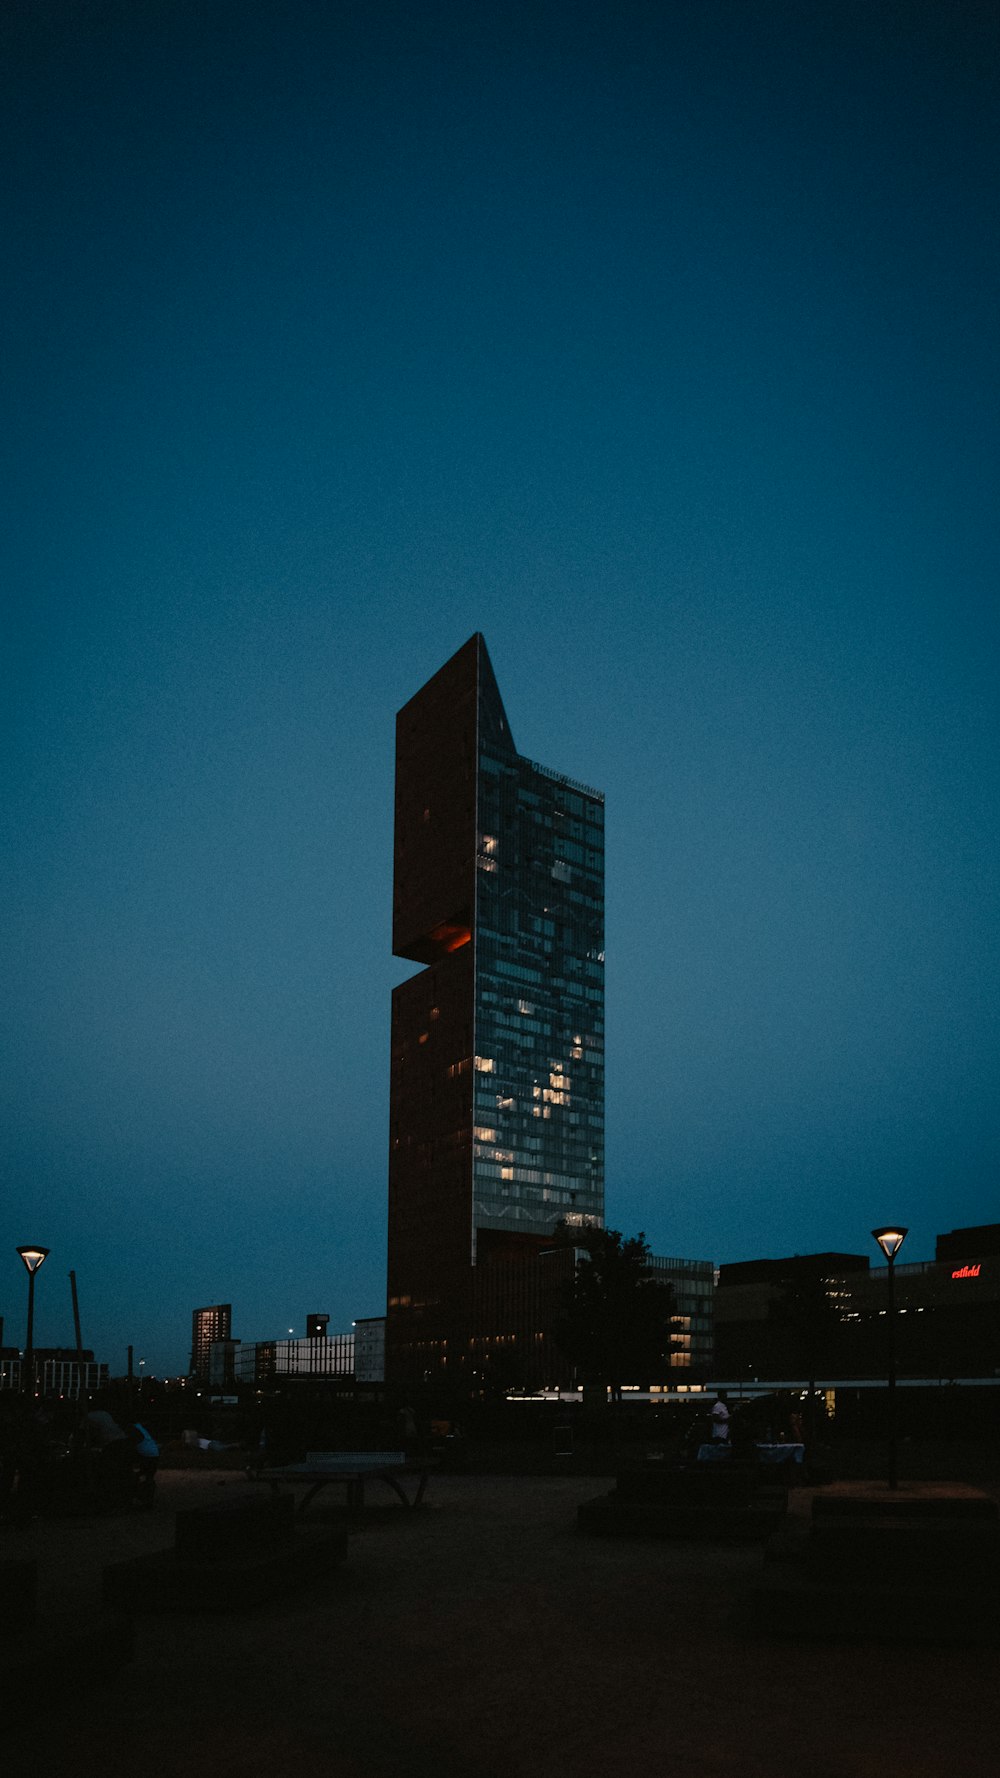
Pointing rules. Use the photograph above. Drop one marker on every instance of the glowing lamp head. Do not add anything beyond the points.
(33, 1256)
(890, 1240)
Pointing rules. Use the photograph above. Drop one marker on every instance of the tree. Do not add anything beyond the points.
(615, 1322)
(807, 1321)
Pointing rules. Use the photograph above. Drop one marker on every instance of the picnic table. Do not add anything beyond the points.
(721, 1451)
(780, 1453)
(350, 1470)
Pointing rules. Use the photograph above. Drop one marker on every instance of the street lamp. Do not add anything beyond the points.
(32, 1257)
(891, 1240)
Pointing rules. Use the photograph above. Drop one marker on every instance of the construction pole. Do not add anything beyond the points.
(79, 1336)
(81, 1397)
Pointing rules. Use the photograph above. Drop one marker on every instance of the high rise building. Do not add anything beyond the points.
(208, 1326)
(497, 1077)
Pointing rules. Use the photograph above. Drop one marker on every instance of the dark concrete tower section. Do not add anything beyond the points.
(430, 1102)
(496, 1100)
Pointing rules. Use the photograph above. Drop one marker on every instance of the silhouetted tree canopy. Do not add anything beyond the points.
(808, 1321)
(808, 1318)
(616, 1320)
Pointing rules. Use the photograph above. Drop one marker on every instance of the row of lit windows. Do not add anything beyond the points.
(578, 1166)
(524, 1060)
(507, 1104)
(530, 1147)
(520, 828)
(568, 846)
(519, 1021)
(559, 1081)
(531, 848)
(564, 1161)
(543, 1199)
(494, 1001)
(528, 1176)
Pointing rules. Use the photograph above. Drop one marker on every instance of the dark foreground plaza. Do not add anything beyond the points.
(484, 1637)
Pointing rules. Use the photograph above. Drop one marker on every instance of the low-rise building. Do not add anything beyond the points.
(57, 1371)
(810, 1315)
(330, 1359)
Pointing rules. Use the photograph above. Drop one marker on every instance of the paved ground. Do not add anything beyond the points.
(483, 1637)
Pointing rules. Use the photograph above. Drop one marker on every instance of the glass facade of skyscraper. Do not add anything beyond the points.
(538, 1150)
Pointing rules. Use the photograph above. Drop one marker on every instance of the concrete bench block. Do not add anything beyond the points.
(909, 1501)
(236, 1528)
(785, 1603)
(168, 1581)
(611, 1517)
(81, 1655)
(690, 1487)
(18, 1593)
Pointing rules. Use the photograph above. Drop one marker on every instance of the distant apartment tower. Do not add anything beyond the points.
(208, 1326)
(497, 1072)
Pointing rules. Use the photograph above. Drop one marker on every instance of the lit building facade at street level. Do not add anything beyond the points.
(692, 1282)
(497, 1070)
(518, 1301)
(207, 1326)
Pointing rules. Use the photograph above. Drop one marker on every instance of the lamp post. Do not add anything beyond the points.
(891, 1240)
(33, 1258)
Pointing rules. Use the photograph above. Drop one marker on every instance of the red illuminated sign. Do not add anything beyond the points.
(966, 1272)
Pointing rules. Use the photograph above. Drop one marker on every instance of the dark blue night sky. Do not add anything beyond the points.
(658, 342)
